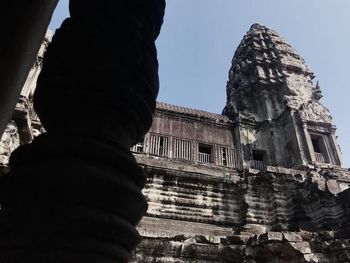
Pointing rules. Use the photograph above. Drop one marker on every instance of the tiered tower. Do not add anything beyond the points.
(271, 95)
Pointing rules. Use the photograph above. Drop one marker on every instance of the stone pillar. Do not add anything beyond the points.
(74, 193)
(337, 153)
(24, 27)
(309, 151)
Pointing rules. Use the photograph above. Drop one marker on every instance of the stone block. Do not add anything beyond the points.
(271, 236)
(196, 239)
(292, 237)
(303, 247)
(283, 170)
(333, 186)
(252, 171)
(311, 258)
(214, 239)
(235, 240)
(254, 229)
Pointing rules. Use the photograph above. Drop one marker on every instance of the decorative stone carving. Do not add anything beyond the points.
(315, 112)
(317, 93)
(265, 58)
(8, 143)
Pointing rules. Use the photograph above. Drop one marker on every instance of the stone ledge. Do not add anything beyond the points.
(167, 228)
(212, 170)
(281, 170)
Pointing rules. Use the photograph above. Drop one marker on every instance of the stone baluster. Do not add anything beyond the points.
(74, 193)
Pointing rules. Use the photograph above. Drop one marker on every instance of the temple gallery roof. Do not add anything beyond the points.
(166, 107)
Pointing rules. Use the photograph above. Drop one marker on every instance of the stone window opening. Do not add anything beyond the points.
(224, 156)
(205, 153)
(159, 145)
(316, 145)
(182, 149)
(319, 148)
(227, 157)
(138, 147)
(258, 159)
(258, 155)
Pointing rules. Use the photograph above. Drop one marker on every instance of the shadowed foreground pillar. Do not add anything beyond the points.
(74, 194)
(24, 27)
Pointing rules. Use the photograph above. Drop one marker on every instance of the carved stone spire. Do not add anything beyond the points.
(264, 58)
(270, 87)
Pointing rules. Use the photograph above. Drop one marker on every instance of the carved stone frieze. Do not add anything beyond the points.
(315, 112)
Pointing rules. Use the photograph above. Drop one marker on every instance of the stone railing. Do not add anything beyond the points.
(319, 157)
(259, 165)
(204, 157)
(137, 148)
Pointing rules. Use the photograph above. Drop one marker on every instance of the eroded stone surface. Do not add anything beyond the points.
(8, 143)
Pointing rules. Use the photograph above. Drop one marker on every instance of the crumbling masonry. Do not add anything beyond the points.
(261, 182)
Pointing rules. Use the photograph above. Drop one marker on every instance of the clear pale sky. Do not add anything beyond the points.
(199, 37)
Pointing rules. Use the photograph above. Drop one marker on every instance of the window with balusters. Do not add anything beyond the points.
(227, 156)
(182, 149)
(319, 148)
(138, 148)
(159, 145)
(205, 153)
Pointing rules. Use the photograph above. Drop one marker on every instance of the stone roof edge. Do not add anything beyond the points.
(192, 113)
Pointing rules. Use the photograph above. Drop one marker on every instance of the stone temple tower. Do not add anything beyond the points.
(270, 93)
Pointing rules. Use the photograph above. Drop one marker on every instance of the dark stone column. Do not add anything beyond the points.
(74, 194)
(24, 24)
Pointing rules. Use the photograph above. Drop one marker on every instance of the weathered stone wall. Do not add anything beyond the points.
(193, 197)
(292, 202)
(277, 199)
(271, 247)
(193, 130)
(280, 215)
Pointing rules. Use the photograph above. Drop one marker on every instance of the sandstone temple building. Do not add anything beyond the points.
(261, 182)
